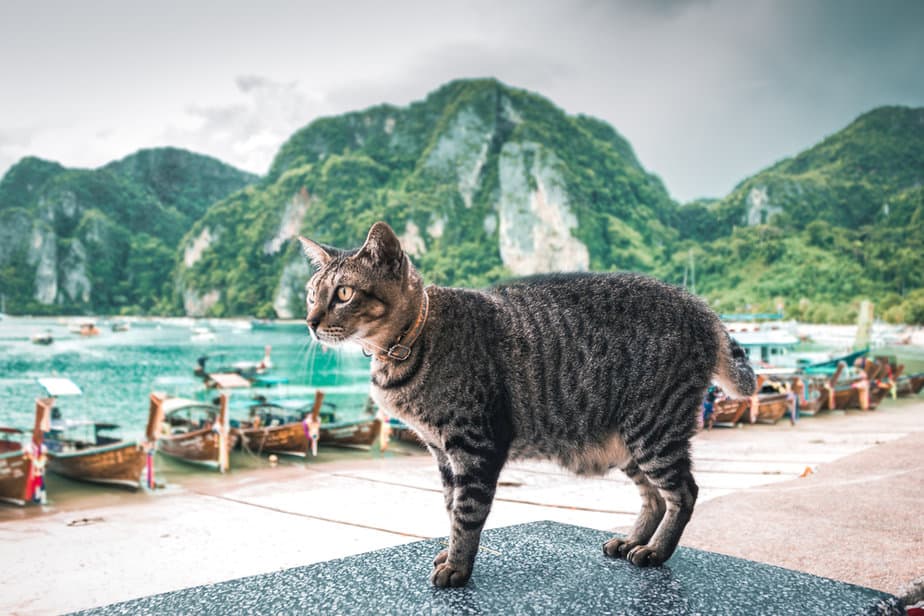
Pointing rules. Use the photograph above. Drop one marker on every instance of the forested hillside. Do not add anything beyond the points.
(483, 182)
(102, 240)
(838, 222)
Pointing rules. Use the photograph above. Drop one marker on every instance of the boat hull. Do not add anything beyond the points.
(843, 398)
(727, 412)
(289, 439)
(199, 447)
(910, 385)
(770, 408)
(360, 432)
(120, 464)
(812, 406)
(15, 477)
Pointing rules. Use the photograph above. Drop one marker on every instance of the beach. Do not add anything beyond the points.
(837, 495)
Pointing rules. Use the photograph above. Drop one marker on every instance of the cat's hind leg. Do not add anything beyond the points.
(674, 483)
(649, 517)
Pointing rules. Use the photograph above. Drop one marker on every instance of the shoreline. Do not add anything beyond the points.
(210, 528)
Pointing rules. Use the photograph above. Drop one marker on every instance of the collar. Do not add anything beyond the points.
(401, 349)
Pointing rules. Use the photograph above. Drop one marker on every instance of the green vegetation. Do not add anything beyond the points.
(844, 222)
(102, 240)
(472, 168)
(435, 171)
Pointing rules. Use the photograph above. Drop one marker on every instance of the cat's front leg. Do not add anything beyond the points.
(475, 482)
(446, 476)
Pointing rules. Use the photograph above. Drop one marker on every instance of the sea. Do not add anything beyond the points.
(117, 370)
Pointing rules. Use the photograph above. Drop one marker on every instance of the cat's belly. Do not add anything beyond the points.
(589, 459)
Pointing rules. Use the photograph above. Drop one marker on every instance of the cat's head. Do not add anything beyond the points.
(368, 295)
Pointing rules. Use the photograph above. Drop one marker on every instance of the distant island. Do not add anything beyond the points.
(484, 182)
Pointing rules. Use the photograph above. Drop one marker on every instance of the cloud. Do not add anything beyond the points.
(248, 132)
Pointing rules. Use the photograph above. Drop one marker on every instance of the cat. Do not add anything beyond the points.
(594, 371)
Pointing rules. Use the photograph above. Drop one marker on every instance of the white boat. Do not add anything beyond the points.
(202, 334)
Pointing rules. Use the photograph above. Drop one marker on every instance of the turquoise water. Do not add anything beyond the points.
(117, 371)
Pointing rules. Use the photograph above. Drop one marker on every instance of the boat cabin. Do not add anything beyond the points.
(768, 348)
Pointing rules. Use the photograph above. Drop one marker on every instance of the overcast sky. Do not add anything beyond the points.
(708, 92)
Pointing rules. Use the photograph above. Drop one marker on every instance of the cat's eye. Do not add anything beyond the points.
(310, 295)
(344, 294)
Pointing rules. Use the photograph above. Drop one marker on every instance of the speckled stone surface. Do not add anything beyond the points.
(537, 568)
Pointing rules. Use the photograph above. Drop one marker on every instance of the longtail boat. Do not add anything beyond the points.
(810, 398)
(191, 431)
(273, 428)
(22, 466)
(249, 370)
(86, 450)
(769, 405)
(42, 338)
(839, 397)
(910, 385)
(829, 366)
(361, 431)
(727, 412)
(400, 431)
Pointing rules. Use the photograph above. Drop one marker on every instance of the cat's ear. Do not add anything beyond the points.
(382, 246)
(317, 254)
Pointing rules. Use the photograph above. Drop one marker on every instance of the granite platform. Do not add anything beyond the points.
(535, 568)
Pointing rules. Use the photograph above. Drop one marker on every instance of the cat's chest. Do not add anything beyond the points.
(412, 412)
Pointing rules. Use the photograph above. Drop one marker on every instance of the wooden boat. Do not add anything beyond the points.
(273, 428)
(768, 405)
(910, 385)
(86, 450)
(770, 408)
(332, 431)
(830, 366)
(21, 467)
(43, 338)
(727, 412)
(400, 431)
(810, 398)
(360, 432)
(249, 370)
(191, 431)
(839, 396)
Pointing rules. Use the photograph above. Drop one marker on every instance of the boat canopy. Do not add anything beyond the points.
(772, 337)
(228, 380)
(59, 386)
(174, 404)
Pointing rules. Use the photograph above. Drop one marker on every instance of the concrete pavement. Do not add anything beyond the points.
(856, 517)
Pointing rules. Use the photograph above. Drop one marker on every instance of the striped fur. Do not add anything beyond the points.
(593, 371)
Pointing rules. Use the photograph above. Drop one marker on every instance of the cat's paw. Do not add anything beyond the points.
(645, 556)
(446, 575)
(441, 557)
(618, 547)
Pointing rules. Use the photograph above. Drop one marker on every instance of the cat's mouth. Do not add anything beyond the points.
(330, 336)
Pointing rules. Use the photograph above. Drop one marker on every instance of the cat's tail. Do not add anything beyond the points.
(733, 370)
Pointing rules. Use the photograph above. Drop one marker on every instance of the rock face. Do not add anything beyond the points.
(481, 182)
(102, 240)
(536, 223)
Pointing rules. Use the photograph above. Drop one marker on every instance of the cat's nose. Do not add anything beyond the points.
(313, 323)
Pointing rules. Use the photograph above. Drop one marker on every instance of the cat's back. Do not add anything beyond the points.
(587, 300)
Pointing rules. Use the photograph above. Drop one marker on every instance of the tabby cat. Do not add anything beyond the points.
(594, 371)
